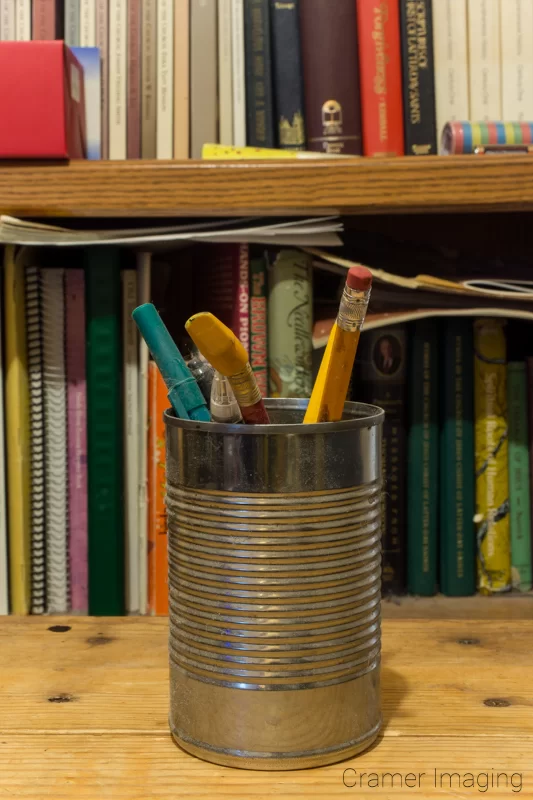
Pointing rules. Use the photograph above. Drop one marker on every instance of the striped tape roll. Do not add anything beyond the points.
(464, 138)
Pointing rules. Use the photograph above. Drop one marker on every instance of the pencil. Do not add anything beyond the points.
(219, 345)
(331, 386)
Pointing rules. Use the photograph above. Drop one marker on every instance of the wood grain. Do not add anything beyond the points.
(83, 713)
(353, 186)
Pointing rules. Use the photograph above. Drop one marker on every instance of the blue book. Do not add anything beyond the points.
(89, 58)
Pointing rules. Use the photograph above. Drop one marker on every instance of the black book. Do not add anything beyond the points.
(418, 68)
(287, 74)
(260, 126)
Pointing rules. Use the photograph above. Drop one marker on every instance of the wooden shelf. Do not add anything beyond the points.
(354, 186)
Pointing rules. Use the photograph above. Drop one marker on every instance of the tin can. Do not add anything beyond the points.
(274, 536)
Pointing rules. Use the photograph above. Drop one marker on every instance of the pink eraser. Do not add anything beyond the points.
(359, 278)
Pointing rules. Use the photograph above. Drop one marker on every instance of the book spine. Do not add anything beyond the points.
(4, 561)
(451, 62)
(484, 60)
(519, 497)
(331, 82)
(144, 291)
(157, 525)
(23, 20)
(181, 79)
(225, 73)
(382, 367)
(149, 79)
(491, 442)
(77, 439)
(529, 366)
(133, 115)
(239, 81)
(8, 30)
(72, 23)
(423, 460)
(287, 74)
(204, 106)
(104, 430)
(45, 20)
(165, 79)
(118, 26)
(378, 24)
(102, 42)
(87, 23)
(457, 508)
(258, 322)
(130, 377)
(290, 324)
(258, 70)
(418, 77)
(516, 26)
(241, 306)
(17, 434)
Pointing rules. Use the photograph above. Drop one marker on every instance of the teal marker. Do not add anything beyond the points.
(183, 392)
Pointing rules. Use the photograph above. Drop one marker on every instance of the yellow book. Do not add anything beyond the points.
(491, 439)
(17, 432)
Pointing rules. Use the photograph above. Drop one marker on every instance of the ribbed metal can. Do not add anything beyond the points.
(274, 537)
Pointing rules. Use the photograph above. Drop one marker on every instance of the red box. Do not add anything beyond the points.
(42, 102)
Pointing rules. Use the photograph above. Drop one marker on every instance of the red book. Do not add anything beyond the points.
(47, 20)
(380, 68)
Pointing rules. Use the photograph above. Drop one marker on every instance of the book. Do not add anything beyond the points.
(258, 321)
(104, 433)
(382, 372)
(484, 60)
(4, 561)
(519, 497)
(8, 30)
(149, 79)
(47, 20)
(181, 79)
(529, 368)
(239, 82)
(290, 324)
(87, 23)
(23, 13)
(516, 31)
(378, 27)
(72, 23)
(157, 517)
(260, 127)
(118, 27)
(491, 444)
(144, 269)
(451, 62)
(102, 43)
(55, 416)
(34, 344)
(165, 79)
(133, 113)
(225, 73)
(130, 393)
(287, 74)
(423, 459)
(17, 416)
(418, 69)
(457, 507)
(77, 440)
(331, 76)
(203, 76)
(89, 58)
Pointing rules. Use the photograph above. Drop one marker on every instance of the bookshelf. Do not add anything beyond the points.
(192, 188)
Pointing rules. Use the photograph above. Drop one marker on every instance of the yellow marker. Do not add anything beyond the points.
(331, 386)
(222, 152)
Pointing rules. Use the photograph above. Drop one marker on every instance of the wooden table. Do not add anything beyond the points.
(83, 713)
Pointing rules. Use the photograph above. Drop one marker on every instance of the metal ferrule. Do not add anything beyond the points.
(352, 309)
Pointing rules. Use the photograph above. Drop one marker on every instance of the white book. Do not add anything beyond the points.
(87, 23)
(517, 59)
(8, 30)
(72, 23)
(165, 79)
(451, 62)
(484, 59)
(239, 74)
(130, 350)
(144, 265)
(225, 73)
(4, 587)
(23, 20)
(118, 27)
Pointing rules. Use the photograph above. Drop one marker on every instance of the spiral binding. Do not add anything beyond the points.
(35, 375)
(55, 405)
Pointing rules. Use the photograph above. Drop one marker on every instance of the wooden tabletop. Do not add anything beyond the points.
(83, 714)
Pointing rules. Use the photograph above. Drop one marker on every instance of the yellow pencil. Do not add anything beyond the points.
(331, 386)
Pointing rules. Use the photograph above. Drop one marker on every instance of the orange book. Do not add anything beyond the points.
(157, 514)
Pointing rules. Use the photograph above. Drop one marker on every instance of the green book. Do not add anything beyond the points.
(423, 460)
(104, 433)
(457, 472)
(519, 497)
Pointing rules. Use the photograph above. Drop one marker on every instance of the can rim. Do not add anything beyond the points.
(362, 415)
